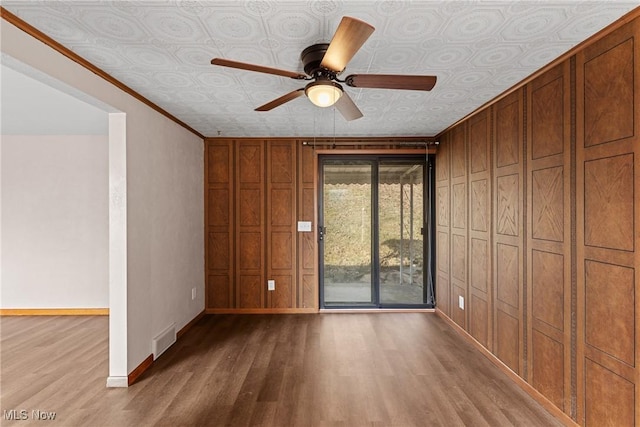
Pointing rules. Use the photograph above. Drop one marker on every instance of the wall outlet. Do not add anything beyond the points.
(461, 302)
(271, 285)
(193, 293)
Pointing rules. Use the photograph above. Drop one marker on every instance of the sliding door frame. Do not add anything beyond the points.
(427, 160)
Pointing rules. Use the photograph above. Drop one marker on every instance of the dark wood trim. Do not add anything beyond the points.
(573, 410)
(261, 311)
(377, 151)
(630, 16)
(205, 234)
(525, 230)
(39, 35)
(146, 363)
(54, 311)
(329, 141)
(316, 221)
(525, 386)
(376, 310)
(189, 325)
(139, 370)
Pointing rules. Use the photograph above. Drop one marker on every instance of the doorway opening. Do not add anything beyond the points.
(375, 231)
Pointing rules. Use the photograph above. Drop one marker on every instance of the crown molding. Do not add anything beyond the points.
(39, 35)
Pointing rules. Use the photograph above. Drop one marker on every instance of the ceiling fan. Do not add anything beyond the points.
(324, 62)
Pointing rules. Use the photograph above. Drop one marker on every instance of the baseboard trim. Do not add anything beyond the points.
(189, 325)
(117, 382)
(525, 386)
(313, 310)
(139, 370)
(261, 311)
(54, 311)
(146, 363)
(376, 310)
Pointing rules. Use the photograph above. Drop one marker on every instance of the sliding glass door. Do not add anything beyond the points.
(346, 233)
(372, 232)
(400, 213)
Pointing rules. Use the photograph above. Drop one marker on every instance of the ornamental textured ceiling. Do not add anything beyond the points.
(477, 50)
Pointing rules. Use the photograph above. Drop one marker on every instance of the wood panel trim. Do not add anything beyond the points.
(575, 394)
(491, 290)
(394, 151)
(525, 231)
(313, 310)
(205, 235)
(54, 311)
(316, 221)
(526, 387)
(377, 310)
(261, 311)
(139, 370)
(357, 140)
(630, 16)
(40, 36)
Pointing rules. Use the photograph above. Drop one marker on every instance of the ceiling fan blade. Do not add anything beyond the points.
(279, 101)
(390, 81)
(348, 108)
(258, 68)
(347, 40)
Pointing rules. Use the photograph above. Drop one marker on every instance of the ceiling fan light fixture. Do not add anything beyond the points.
(323, 93)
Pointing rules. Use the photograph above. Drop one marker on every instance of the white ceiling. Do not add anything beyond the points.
(162, 50)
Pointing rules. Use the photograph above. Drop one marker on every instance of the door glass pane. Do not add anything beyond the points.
(400, 210)
(347, 238)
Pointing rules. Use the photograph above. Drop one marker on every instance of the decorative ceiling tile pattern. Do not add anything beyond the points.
(163, 49)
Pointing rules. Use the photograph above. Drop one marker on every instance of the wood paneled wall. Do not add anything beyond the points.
(220, 237)
(608, 238)
(480, 299)
(307, 243)
(257, 190)
(548, 237)
(443, 228)
(508, 232)
(458, 225)
(551, 243)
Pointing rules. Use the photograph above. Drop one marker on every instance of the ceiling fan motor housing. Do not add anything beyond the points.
(311, 58)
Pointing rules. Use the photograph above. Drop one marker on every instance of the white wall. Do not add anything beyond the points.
(165, 208)
(55, 226)
(34, 107)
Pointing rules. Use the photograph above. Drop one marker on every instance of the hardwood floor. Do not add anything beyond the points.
(387, 369)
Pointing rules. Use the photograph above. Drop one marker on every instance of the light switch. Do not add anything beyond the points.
(304, 226)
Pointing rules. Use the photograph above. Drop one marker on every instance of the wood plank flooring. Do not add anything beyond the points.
(387, 369)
